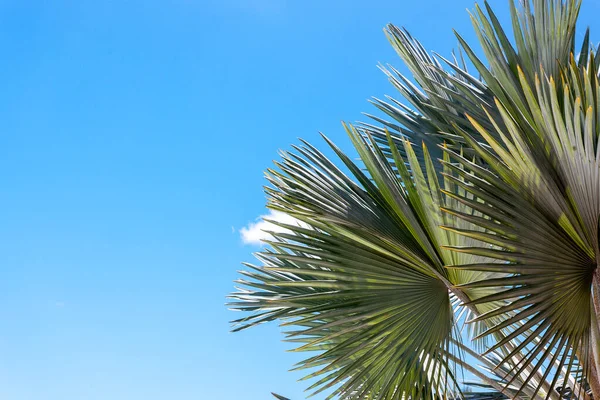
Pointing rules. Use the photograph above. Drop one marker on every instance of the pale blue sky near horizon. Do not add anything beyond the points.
(134, 136)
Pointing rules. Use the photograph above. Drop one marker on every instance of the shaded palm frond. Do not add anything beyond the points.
(439, 99)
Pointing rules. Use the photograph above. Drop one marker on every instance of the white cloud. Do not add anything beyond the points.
(254, 233)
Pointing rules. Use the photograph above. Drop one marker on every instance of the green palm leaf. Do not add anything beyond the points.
(352, 282)
(363, 281)
(541, 188)
(441, 99)
(498, 226)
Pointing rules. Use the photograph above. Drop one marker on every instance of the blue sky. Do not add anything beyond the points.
(134, 135)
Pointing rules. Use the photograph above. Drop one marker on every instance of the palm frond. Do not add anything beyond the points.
(493, 223)
(365, 285)
(542, 188)
(440, 98)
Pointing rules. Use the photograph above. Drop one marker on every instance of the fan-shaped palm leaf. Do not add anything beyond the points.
(386, 263)
(365, 282)
(541, 188)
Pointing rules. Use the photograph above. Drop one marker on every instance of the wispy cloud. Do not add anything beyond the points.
(254, 233)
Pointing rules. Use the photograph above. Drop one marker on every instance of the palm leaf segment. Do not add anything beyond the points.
(363, 281)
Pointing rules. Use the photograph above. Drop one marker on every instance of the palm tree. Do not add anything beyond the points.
(475, 206)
